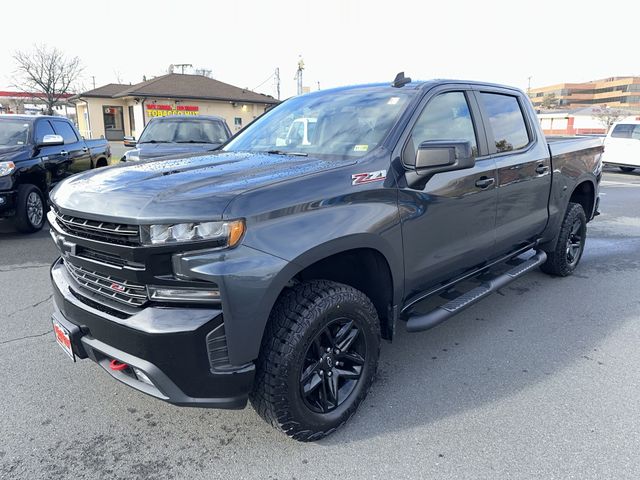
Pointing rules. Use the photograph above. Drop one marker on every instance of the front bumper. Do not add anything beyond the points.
(169, 345)
(7, 202)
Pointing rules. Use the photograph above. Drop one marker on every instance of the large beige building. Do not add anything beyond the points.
(619, 92)
(114, 110)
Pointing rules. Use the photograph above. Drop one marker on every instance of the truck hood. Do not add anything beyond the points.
(15, 152)
(193, 188)
(155, 150)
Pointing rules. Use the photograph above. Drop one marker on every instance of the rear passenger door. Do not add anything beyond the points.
(523, 167)
(75, 150)
(448, 223)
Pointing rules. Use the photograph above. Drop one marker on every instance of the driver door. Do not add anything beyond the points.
(449, 218)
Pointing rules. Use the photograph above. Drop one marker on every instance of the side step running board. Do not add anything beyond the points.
(444, 312)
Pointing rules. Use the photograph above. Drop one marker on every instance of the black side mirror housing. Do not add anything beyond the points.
(443, 156)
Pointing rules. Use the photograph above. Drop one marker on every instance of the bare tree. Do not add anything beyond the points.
(549, 101)
(47, 73)
(608, 116)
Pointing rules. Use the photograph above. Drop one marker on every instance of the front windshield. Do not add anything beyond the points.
(13, 132)
(339, 123)
(184, 131)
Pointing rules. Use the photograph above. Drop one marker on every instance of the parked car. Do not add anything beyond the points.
(622, 146)
(270, 273)
(36, 152)
(178, 134)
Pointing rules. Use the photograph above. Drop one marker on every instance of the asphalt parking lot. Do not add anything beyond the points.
(538, 381)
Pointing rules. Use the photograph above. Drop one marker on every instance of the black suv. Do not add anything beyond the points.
(271, 269)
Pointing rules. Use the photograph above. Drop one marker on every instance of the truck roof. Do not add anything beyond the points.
(31, 118)
(189, 117)
(420, 85)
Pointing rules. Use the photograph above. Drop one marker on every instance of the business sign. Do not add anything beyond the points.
(157, 110)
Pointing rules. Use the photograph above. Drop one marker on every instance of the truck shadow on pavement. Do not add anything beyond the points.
(510, 342)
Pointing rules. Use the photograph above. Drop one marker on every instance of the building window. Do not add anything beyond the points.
(237, 121)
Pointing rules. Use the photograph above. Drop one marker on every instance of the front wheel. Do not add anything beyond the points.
(30, 209)
(568, 252)
(627, 169)
(318, 359)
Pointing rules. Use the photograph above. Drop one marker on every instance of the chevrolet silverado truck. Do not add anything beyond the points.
(270, 271)
(36, 152)
(176, 135)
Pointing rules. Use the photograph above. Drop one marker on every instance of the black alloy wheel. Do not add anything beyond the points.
(333, 366)
(575, 242)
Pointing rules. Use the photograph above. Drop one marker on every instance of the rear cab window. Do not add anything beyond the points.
(506, 120)
(626, 130)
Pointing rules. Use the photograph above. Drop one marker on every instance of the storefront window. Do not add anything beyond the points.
(113, 123)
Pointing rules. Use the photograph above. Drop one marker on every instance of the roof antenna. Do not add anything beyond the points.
(400, 80)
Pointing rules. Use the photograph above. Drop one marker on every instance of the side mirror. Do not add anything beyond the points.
(129, 141)
(51, 140)
(443, 156)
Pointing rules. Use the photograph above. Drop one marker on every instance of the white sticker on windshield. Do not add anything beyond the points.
(393, 100)
(361, 148)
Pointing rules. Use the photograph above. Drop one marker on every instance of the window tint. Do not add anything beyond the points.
(506, 120)
(446, 117)
(43, 127)
(64, 129)
(626, 130)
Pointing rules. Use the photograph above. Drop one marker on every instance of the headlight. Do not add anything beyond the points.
(6, 168)
(227, 233)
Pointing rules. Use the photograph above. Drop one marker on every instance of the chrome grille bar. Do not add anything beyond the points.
(123, 291)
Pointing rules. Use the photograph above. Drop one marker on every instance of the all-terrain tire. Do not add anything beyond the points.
(30, 209)
(303, 317)
(568, 252)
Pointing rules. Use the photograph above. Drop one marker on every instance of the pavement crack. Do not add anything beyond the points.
(34, 305)
(26, 337)
(13, 268)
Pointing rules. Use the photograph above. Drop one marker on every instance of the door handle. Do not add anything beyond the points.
(484, 182)
(64, 152)
(542, 169)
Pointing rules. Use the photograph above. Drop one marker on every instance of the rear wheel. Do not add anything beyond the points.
(318, 359)
(568, 252)
(627, 169)
(30, 209)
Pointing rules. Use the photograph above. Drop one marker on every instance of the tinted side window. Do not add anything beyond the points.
(43, 127)
(446, 117)
(506, 120)
(64, 129)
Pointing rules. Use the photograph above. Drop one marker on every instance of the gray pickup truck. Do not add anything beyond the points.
(270, 270)
(36, 152)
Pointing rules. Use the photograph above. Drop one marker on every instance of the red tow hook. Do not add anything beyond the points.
(116, 365)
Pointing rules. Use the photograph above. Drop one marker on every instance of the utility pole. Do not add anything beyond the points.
(298, 76)
(529, 87)
(277, 77)
(181, 66)
(318, 84)
(93, 77)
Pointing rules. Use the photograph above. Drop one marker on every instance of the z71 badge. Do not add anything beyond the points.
(368, 177)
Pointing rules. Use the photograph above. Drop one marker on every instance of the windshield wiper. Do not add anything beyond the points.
(284, 152)
(155, 141)
(194, 141)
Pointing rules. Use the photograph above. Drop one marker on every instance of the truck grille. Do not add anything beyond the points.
(101, 231)
(122, 291)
